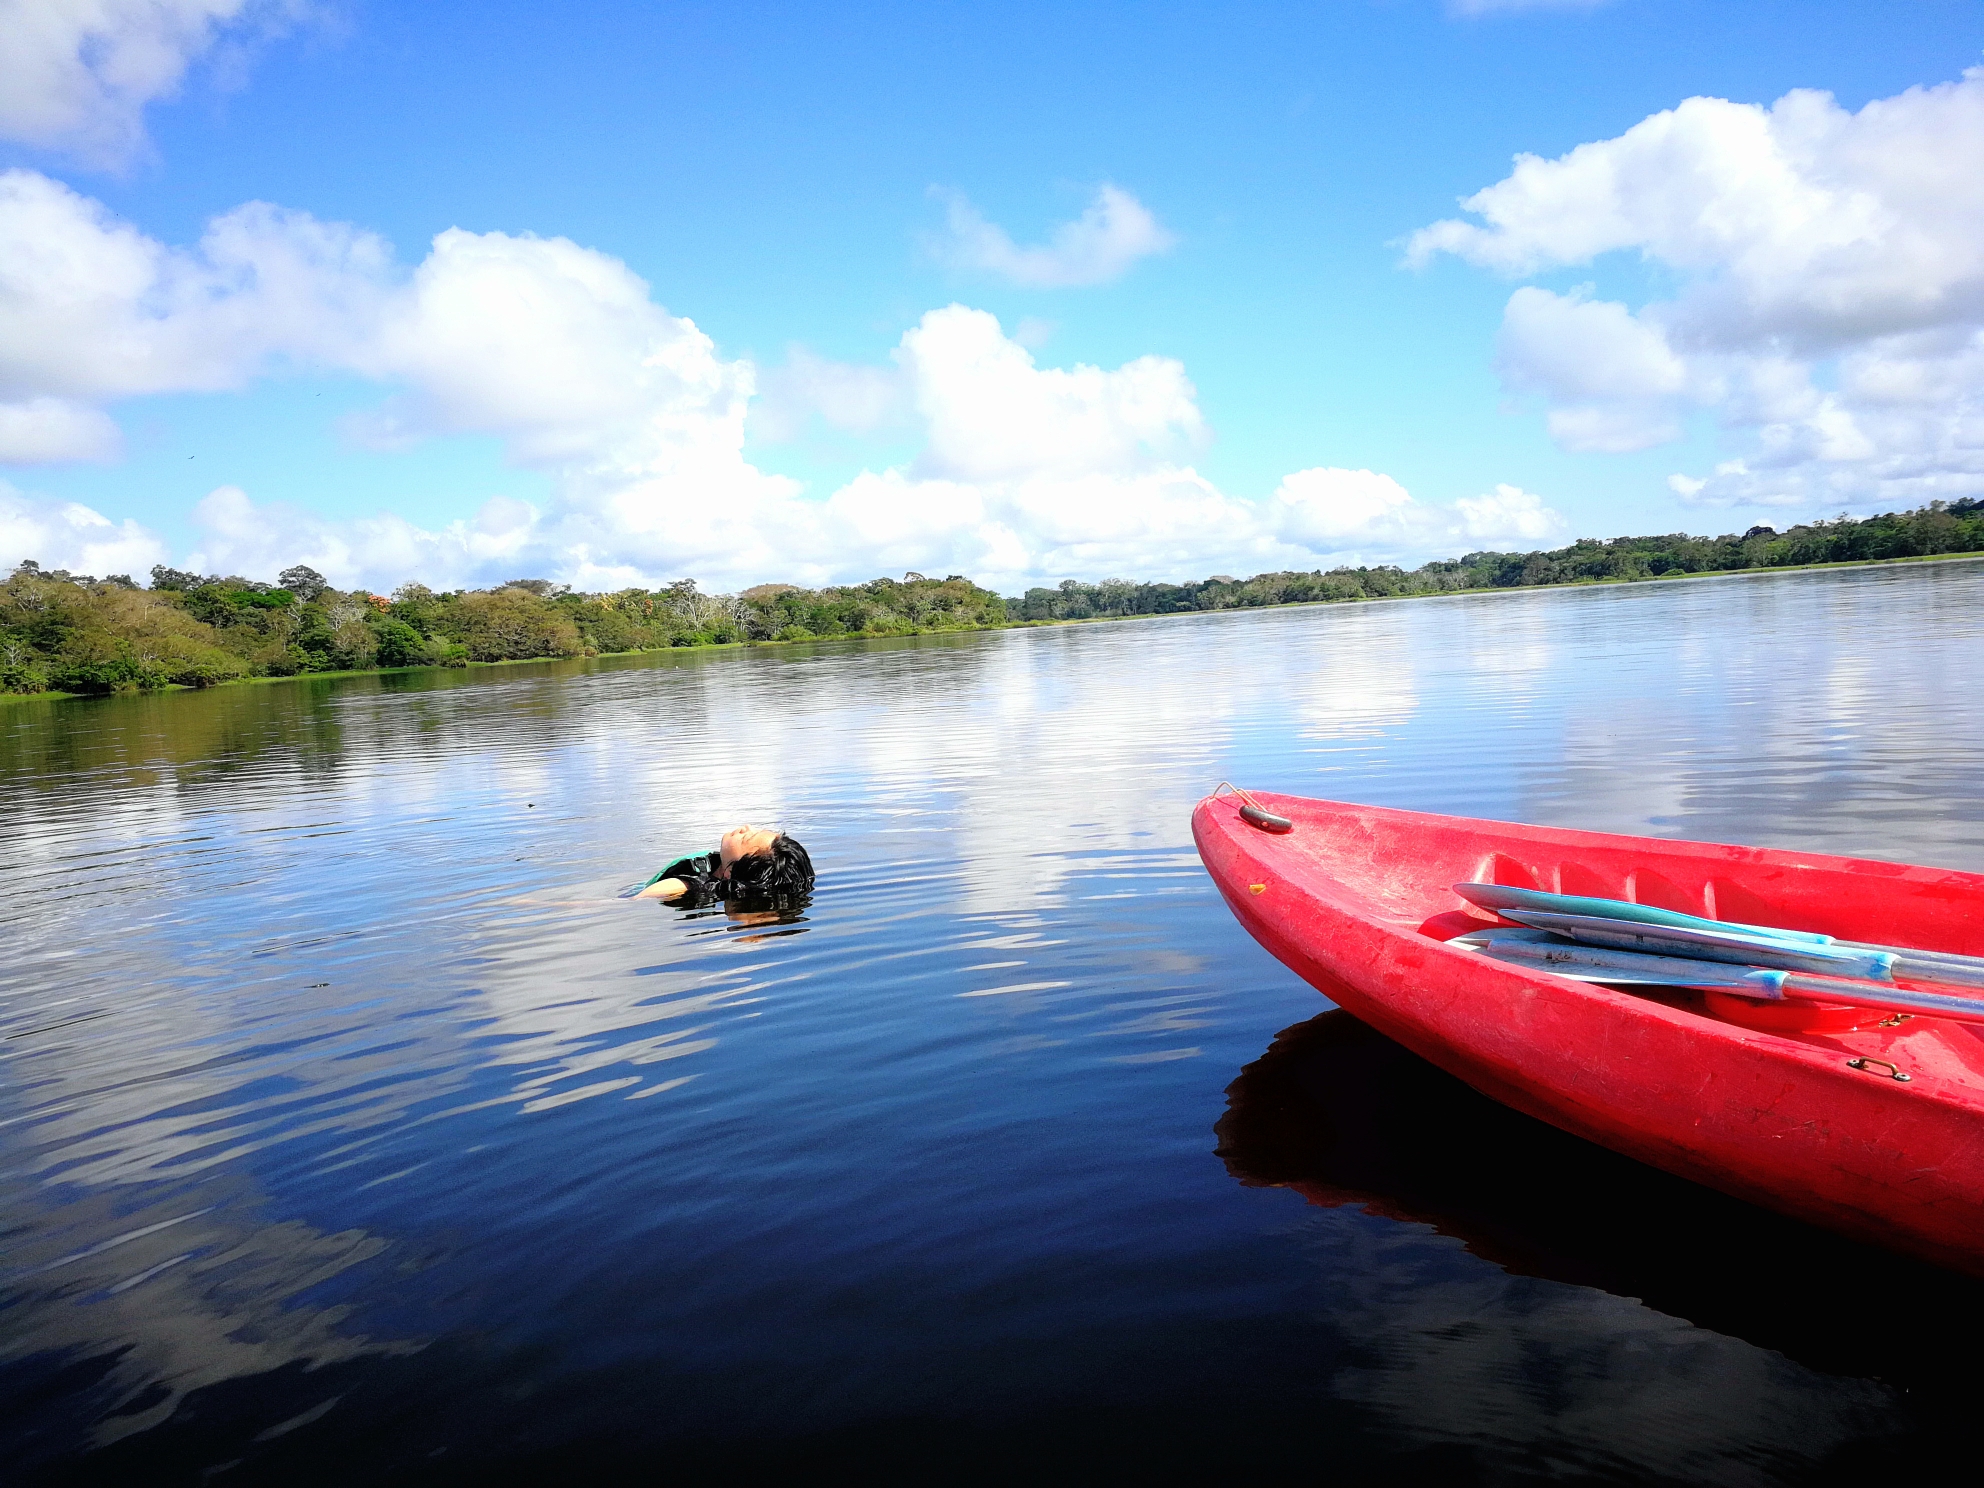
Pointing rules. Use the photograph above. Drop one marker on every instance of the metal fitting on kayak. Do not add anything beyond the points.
(1895, 1072)
(1253, 812)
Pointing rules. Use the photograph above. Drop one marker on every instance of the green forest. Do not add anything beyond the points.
(64, 632)
(1939, 528)
(75, 633)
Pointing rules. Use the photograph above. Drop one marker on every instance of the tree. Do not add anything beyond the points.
(401, 645)
(174, 578)
(511, 624)
(303, 581)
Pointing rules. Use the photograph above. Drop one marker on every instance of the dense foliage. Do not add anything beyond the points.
(74, 633)
(1952, 527)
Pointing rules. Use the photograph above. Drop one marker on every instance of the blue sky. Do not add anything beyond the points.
(795, 177)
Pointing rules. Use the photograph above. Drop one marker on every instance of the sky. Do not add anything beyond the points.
(620, 294)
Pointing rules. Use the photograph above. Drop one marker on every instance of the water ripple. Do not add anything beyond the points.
(344, 1110)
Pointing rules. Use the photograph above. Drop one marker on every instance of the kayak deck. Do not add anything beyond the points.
(1793, 1106)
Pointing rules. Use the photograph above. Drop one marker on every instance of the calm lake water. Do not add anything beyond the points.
(351, 1130)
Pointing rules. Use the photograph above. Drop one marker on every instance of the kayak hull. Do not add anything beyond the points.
(1358, 901)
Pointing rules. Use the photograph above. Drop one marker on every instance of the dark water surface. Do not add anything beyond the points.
(352, 1131)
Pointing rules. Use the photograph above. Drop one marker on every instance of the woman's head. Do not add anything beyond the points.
(746, 841)
(767, 864)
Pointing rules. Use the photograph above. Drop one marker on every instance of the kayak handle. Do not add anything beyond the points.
(1253, 811)
(1895, 1071)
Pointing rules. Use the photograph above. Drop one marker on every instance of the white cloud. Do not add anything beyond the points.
(1330, 509)
(1813, 247)
(560, 352)
(65, 534)
(41, 431)
(76, 75)
(1102, 244)
(851, 398)
(1325, 506)
(1610, 378)
(1033, 332)
(991, 414)
(1509, 517)
(1028, 474)
(238, 536)
(92, 310)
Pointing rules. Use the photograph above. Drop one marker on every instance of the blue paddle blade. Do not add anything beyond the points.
(1500, 897)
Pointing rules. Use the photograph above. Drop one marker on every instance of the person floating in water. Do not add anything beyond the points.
(752, 866)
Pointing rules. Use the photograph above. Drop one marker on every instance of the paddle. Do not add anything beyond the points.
(1599, 964)
(1504, 896)
(1711, 945)
(1911, 964)
(1927, 966)
(1542, 952)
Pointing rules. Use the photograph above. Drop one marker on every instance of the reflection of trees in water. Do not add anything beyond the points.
(1124, 721)
(101, 747)
(1640, 1323)
(117, 1315)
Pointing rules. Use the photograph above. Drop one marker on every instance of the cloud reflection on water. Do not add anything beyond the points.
(353, 977)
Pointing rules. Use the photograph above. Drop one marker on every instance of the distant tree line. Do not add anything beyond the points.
(69, 632)
(1941, 527)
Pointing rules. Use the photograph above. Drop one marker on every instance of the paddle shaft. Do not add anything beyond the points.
(1597, 964)
(1927, 966)
(1911, 963)
(1707, 945)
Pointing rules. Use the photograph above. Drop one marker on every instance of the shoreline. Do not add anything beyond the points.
(1666, 578)
(1575, 584)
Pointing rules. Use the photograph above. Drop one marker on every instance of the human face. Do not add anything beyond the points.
(746, 841)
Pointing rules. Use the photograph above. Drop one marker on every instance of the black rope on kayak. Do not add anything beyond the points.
(1253, 811)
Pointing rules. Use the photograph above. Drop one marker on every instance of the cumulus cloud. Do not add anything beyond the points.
(1026, 473)
(1611, 379)
(844, 396)
(42, 431)
(1102, 244)
(1328, 508)
(66, 534)
(1832, 290)
(77, 75)
(560, 352)
(92, 310)
(239, 536)
(991, 414)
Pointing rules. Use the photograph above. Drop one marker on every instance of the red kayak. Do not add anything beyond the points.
(1758, 1100)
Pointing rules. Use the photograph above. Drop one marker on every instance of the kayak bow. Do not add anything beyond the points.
(1778, 1100)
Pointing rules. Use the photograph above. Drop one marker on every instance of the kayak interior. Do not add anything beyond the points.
(1400, 869)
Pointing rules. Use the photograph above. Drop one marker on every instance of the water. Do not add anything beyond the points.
(351, 1130)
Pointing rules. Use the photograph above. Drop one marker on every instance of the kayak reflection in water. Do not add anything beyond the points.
(754, 870)
(1346, 1118)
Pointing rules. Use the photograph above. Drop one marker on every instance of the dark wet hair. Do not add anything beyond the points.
(782, 876)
